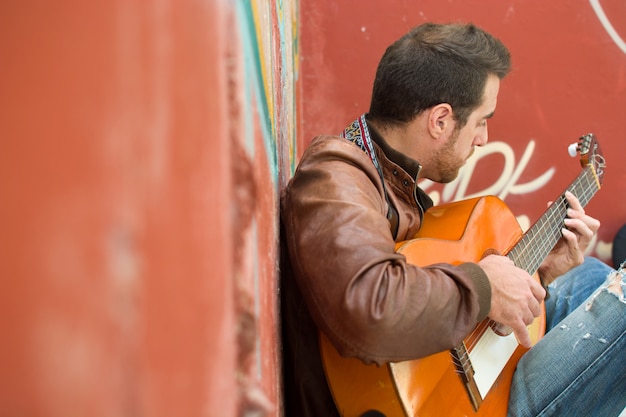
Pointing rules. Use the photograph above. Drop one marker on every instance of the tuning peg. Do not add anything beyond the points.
(572, 149)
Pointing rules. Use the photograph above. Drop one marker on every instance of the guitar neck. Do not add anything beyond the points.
(530, 251)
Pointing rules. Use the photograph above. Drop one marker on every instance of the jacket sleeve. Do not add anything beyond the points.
(369, 301)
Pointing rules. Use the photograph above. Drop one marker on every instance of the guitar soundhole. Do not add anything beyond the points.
(373, 413)
(501, 329)
(490, 251)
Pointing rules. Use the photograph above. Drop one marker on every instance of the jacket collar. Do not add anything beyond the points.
(410, 165)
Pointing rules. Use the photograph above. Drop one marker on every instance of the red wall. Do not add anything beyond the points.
(138, 226)
(568, 79)
(142, 147)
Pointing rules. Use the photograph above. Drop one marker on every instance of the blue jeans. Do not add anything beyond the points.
(579, 367)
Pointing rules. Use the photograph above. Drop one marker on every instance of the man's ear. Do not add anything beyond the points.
(439, 119)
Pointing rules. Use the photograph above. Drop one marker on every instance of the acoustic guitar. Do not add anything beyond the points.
(473, 378)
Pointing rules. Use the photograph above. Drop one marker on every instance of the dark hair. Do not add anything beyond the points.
(433, 64)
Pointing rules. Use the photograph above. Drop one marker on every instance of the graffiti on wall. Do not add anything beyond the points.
(607, 25)
(505, 183)
(270, 42)
(568, 79)
(263, 150)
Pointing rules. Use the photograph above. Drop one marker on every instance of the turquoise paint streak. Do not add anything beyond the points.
(284, 117)
(253, 86)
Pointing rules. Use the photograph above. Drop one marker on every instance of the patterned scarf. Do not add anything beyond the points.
(358, 133)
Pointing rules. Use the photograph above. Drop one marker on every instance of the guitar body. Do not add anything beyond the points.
(431, 386)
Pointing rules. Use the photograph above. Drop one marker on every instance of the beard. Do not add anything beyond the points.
(448, 162)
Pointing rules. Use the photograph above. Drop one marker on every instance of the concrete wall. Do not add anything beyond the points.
(568, 79)
(142, 145)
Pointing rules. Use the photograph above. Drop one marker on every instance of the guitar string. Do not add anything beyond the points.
(551, 227)
(556, 212)
(535, 238)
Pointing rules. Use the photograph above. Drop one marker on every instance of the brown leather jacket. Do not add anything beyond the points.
(340, 272)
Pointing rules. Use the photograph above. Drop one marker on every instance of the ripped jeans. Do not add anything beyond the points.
(579, 367)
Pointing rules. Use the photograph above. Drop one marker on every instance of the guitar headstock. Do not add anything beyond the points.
(591, 155)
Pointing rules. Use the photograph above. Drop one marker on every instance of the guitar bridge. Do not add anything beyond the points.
(460, 358)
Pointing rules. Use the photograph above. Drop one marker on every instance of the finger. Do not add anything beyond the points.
(532, 312)
(522, 335)
(535, 309)
(573, 202)
(539, 293)
(592, 223)
(574, 246)
(588, 222)
(570, 237)
(580, 229)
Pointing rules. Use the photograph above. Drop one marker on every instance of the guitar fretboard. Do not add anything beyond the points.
(531, 250)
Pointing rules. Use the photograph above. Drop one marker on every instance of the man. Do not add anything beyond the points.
(354, 196)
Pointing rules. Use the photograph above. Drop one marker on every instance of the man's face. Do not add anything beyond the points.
(460, 144)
